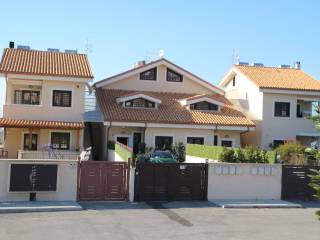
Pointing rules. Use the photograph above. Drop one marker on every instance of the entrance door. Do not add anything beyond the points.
(26, 142)
(123, 140)
(136, 142)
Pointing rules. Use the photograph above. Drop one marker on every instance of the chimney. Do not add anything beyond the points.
(139, 64)
(11, 44)
(297, 65)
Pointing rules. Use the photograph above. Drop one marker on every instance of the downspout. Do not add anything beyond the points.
(248, 130)
(108, 129)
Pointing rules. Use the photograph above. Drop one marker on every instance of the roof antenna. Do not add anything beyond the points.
(235, 57)
(161, 53)
(87, 47)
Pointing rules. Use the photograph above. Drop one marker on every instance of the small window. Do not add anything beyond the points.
(282, 109)
(173, 76)
(139, 103)
(234, 81)
(27, 97)
(26, 142)
(60, 140)
(204, 106)
(226, 143)
(195, 140)
(215, 140)
(61, 98)
(150, 74)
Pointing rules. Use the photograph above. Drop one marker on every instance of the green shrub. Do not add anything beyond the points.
(111, 145)
(289, 151)
(228, 155)
(204, 151)
(247, 155)
(315, 184)
(179, 152)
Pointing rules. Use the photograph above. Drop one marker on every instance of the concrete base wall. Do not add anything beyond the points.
(66, 181)
(244, 181)
(193, 159)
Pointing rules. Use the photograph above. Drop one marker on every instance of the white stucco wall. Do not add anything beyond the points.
(239, 181)
(66, 181)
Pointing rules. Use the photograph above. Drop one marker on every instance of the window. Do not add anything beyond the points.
(61, 98)
(234, 81)
(215, 140)
(282, 109)
(195, 140)
(139, 103)
(60, 140)
(123, 140)
(150, 74)
(226, 143)
(172, 76)
(307, 108)
(277, 143)
(163, 142)
(204, 106)
(29, 97)
(26, 142)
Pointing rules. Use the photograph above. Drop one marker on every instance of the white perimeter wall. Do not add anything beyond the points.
(244, 181)
(66, 181)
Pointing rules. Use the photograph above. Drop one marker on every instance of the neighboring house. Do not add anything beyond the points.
(278, 100)
(44, 104)
(160, 103)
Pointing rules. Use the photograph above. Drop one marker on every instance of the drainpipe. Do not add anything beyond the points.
(248, 130)
(108, 129)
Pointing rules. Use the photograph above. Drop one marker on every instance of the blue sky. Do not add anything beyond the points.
(200, 36)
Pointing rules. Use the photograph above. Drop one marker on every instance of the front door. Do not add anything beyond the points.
(26, 142)
(136, 142)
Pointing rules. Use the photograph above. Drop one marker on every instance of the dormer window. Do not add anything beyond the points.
(139, 100)
(202, 103)
(173, 76)
(206, 106)
(139, 103)
(150, 74)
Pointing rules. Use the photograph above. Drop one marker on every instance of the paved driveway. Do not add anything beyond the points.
(192, 220)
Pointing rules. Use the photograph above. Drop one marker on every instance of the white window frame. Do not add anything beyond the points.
(195, 136)
(162, 135)
(227, 139)
(22, 139)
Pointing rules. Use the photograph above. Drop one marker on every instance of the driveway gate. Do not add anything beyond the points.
(103, 181)
(171, 182)
(295, 182)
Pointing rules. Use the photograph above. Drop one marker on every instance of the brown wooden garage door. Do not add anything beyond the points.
(103, 181)
(171, 182)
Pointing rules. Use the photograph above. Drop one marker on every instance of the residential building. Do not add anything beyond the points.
(279, 100)
(44, 102)
(160, 103)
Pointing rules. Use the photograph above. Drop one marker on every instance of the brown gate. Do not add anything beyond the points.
(103, 181)
(171, 182)
(295, 183)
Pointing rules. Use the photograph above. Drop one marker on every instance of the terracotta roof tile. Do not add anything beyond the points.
(45, 63)
(280, 78)
(169, 111)
(18, 123)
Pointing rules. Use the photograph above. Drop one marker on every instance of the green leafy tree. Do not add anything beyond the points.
(315, 184)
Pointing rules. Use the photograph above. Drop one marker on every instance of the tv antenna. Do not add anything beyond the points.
(88, 47)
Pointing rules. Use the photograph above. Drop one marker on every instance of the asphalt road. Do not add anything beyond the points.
(191, 220)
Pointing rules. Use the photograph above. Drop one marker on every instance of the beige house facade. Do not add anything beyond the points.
(44, 102)
(279, 100)
(160, 103)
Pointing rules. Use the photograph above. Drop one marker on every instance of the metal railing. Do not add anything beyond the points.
(73, 155)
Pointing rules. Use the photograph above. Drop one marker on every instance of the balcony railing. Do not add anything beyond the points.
(48, 155)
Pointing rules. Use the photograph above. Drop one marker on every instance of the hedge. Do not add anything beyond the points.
(204, 151)
(213, 152)
(123, 151)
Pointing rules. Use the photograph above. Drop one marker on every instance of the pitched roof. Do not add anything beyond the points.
(170, 110)
(18, 123)
(280, 78)
(156, 63)
(34, 62)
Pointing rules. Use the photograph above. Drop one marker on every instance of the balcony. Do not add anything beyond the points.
(69, 155)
